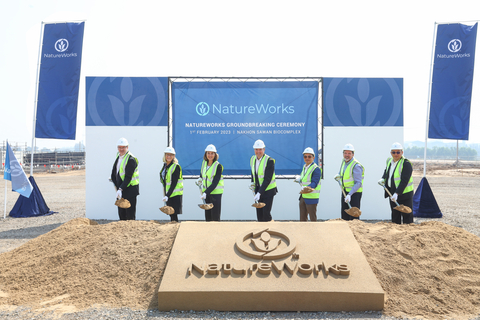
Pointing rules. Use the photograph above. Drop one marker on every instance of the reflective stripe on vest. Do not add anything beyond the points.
(261, 171)
(135, 177)
(397, 174)
(208, 175)
(347, 175)
(306, 179)
(168, 181)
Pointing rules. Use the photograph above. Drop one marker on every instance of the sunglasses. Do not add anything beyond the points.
(396, 152)
(308, 156)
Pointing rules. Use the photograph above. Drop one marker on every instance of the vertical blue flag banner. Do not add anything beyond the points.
(232, 115)
(59, 81)
(452, 81)
(15, 173)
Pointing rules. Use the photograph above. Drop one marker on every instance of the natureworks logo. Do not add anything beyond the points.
(203, 109)
(61, 45)
(454, 45)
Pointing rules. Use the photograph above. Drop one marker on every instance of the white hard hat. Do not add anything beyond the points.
(309, 150)
(396, 146)
(258, 144)
(349, 147)
(169, 150)
(211, 148)
(122, 142)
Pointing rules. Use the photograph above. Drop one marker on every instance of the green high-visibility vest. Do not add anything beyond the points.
(306, 179)
(397, 174)
(347, 175)
(178, 189)
(261, 171)
(208, 175)
(135, 177)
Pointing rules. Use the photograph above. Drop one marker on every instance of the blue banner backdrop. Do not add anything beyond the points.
(59, 81)
(452, 81)
(125, 101)
(232, 115)
(355, 102)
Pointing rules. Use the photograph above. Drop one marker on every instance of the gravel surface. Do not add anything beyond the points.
(454, 187)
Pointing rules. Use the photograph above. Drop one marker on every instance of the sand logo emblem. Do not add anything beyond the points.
(265, 244)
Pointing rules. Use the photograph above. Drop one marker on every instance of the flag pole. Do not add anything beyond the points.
(5, 209)
(36, 96)
(428, 102)
(5, 205)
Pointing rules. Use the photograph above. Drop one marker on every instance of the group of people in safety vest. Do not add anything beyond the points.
(397, 179)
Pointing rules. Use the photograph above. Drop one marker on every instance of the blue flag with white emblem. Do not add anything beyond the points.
(452, 81)
(14, 172)
(59, 80)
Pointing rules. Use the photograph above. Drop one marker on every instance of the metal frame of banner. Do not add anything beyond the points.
(248, 79)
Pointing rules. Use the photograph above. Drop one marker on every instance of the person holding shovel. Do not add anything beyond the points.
(350, 178)
(125, 177)
(172, 181)
(309, 179)
(263, 180)
(397, 179)
(211, 180)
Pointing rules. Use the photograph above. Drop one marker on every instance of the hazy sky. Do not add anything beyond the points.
(230, 38)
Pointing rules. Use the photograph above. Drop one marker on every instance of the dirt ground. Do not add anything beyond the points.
(65, 262)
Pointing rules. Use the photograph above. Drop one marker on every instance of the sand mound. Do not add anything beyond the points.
(430, 270)
(81, 264)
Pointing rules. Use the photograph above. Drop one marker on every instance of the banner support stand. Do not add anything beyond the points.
(428, 102)
(36, 96)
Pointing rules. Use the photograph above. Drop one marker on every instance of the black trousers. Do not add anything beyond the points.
(176, 203)
(214, 213)
(398, 216)
(354, 202)
(129, 213)
(263, 214)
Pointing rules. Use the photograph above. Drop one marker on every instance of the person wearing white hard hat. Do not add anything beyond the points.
(211, 179)
(125, 177)
(397, 178)
(172, 181)
(351, 177)
(310, 177)
(263, 180)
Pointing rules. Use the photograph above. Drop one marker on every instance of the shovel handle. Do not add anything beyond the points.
(201, 192)
(384, 187)
(344, 195)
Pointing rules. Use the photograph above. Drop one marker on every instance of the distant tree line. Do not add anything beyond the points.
(441, 153)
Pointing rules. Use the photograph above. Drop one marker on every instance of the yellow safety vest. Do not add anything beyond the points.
(397, 174)
(208, 175)
(168, 180)
(135, 177)
(261, 171)
(306, 179)
(347, 175)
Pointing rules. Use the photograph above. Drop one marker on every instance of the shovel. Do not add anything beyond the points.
(305, 190)
(257, 204)
(204, 206)
(353, 211)
(166, 209)
(400, 207)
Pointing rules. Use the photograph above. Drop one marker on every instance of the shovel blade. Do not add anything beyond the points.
(403, 208)
(354, 212)
(167, 210)
(206, 206)
(258, 205)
